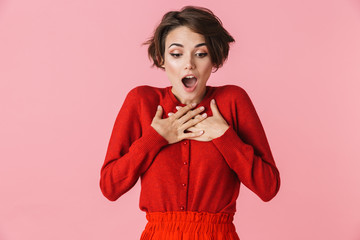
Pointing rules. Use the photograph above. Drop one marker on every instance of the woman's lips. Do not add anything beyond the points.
(190, 83)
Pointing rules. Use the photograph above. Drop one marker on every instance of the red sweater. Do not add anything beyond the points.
(189, 175)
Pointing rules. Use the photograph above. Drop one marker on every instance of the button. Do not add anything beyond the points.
(185, 163)
(184, 184)
(185, 143)
(182, 208)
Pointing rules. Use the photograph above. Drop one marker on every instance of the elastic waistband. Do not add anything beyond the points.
(190, 222)
(196, 217)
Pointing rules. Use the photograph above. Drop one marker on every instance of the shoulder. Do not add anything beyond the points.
(145, 92)
(232, 93)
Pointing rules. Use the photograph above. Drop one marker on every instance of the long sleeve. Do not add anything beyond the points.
(245, 148)
(131, 150)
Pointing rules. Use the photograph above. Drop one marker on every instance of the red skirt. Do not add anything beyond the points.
(189, 226)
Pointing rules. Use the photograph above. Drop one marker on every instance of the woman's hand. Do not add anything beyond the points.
(173, 128)
(213, 126)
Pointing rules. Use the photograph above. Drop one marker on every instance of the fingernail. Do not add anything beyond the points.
(159, 107)
(169, 114)
(213, 101)
(204, 115)
(202, 108)
(177, 107)
(201, 132)
(193, 104)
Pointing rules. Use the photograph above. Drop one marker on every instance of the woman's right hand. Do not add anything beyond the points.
(173, 128)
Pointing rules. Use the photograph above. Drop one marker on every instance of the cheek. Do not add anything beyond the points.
(171, 70)
(172, 67)
(206, 68)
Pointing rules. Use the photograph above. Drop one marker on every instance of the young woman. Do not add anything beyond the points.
(191, 144)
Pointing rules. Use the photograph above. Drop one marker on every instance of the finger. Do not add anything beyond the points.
(214, 108)
(192, 129)
(194, 121)
(159, 112)
(192, 134)
(184, 110)
(200, 116)
(190, 114)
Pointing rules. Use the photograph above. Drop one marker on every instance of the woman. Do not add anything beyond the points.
(191, 144)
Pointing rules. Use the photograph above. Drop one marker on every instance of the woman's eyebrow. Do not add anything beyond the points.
(180, 45)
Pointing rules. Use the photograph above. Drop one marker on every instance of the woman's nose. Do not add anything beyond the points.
(189, 64)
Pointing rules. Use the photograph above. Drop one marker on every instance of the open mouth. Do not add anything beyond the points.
(189, 81)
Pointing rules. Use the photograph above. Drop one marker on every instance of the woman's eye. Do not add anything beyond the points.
(201, 54)
(175, 55)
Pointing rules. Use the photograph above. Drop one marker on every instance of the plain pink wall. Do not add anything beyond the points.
(66, 66)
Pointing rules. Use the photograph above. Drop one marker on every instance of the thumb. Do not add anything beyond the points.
(159, 112)
(214, 108)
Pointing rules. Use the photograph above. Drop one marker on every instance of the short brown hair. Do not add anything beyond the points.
(200, 20)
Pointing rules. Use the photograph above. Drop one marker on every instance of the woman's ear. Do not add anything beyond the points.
(161, 62)
(162, 65)
(214, 68)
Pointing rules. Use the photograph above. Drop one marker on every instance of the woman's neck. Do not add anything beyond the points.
(195, 99)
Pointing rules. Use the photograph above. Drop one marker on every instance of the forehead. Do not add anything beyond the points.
(185, 36)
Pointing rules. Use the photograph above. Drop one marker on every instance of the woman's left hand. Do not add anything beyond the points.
(213, 126)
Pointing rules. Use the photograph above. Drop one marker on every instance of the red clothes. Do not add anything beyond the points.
(189, 175)
(189, 226)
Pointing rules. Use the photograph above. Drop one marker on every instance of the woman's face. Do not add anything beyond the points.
(187, 64)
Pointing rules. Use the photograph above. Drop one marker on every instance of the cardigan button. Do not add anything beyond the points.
(182, 208)
(185, 163)
(185, 143)
(184, 184)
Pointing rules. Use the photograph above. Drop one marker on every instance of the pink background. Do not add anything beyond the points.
(66, 66)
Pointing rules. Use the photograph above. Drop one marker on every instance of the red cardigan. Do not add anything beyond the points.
(189, 175)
